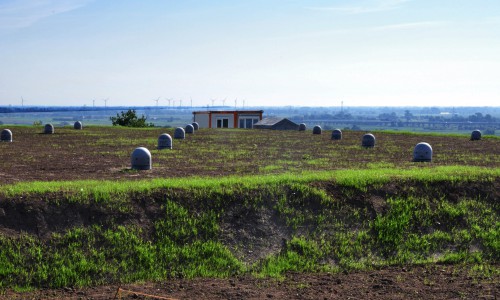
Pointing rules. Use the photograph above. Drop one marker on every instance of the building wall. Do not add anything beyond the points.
(202, 119)
(225, 119)
(229, 116)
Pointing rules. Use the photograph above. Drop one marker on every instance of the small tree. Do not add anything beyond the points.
(408, 115)
(130, 119)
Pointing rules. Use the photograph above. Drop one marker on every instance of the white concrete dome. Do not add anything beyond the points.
(141, 159)
(368, 140)
(475, 135)
(196, 125)
(189, 128)
(48, 129)
(179, 133)
(302, 127)
(422, 152)
(317, 129)
(78, 125)
(6, 135)
(164, 141)
(336, 134)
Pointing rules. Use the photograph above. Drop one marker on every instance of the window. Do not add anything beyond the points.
(223, 123)
(247, 122)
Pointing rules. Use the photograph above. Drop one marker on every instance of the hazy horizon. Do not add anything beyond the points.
(253, 107)
(380, 53)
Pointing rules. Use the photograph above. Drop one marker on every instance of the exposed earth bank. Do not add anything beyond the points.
(434, 281)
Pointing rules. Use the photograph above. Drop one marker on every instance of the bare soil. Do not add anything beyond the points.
(104, 153)
(416, 282)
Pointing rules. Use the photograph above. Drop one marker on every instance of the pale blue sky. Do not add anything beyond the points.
(265, 52)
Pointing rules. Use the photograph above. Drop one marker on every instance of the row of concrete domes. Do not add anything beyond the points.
(141, 157)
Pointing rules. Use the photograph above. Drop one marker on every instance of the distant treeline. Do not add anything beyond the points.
(477, 117)
(22, 109)
(393, 117)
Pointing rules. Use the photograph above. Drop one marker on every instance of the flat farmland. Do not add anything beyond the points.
(104, 153)
(247, 214)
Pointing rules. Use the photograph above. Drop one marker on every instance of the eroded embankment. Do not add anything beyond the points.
(60, 239)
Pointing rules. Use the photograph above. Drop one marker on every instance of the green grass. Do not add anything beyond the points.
(465, 133)
(329, 216)
(101, 190)
(92, 256)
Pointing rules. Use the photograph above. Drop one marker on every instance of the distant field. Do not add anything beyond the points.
(160, 117)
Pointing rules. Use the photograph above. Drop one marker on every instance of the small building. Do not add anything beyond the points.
(227, 119)
(276, 124)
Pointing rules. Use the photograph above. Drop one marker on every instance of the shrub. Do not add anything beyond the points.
(490, 131)
(130, 119)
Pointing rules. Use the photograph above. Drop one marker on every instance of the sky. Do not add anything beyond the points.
(250, 52)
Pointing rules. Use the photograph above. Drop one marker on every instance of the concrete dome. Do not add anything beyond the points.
(422, 152)
(302, 127)
(189, 128)
(48, 129)
(164, 141)
(368, 140)
(141, 159)
(336, 134)
(475, 135)
(6, 135)
(196, 125)
(78, 125)
(179, 133)
(317, 129)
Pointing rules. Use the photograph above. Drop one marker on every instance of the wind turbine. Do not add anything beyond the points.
(106, 102)
(156, 100)
(191, 101)
(93, 103)
(213, 100)
(169, 100)
(22, 101)
(180, 103)
(224, 102)
(235, 102)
